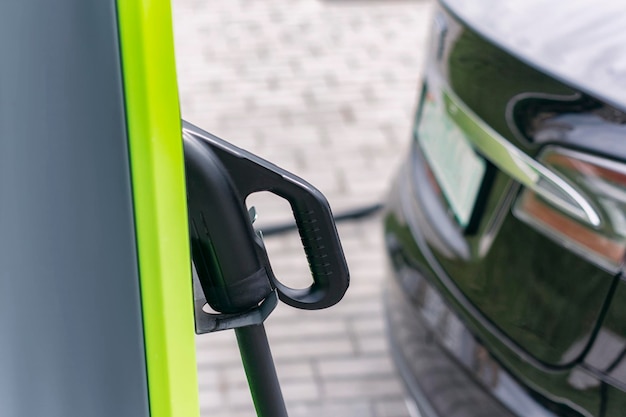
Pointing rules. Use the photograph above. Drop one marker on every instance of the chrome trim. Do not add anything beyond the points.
(517, 164)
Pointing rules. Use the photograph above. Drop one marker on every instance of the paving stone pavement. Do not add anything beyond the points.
(327, 90)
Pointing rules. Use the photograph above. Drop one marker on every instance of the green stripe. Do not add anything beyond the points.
(154, 131)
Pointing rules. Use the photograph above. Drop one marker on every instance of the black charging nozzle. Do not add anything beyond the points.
(232, 266)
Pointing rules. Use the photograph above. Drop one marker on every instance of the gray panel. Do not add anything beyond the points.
(71, 342)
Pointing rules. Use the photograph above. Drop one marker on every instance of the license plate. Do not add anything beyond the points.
(454, 163)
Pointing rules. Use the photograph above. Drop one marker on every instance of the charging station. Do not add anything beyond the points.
(99, 200)
(96, 317)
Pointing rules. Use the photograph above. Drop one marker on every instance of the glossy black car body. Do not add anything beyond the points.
(509, 301)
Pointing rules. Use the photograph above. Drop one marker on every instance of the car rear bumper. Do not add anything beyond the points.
(434, 377)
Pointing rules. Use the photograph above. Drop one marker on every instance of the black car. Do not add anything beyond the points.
(506, 225)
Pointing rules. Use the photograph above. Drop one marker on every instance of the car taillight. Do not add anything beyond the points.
(602, 182)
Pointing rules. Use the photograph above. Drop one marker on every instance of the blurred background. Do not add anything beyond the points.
(327, 90)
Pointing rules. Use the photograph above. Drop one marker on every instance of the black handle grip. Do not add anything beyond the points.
(311, 210)
(321, 244)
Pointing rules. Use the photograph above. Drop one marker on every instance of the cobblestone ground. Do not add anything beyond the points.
(325, 89)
